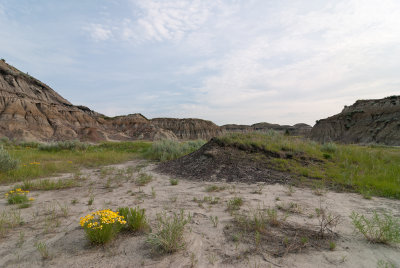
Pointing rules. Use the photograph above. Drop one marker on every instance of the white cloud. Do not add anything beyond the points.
(98, 32)
(317, 60)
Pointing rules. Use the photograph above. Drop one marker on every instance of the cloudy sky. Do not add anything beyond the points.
(229, 61)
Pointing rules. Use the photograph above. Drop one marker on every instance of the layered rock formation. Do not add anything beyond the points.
(296, 130)
(189, 128)
(31, 110)
(366, 121)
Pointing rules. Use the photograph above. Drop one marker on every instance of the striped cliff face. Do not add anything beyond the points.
(366, 121)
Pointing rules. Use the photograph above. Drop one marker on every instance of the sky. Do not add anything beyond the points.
(229, 61)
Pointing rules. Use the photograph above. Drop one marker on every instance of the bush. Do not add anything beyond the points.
(6, 161)
(135, 219)
(380, 228)
(102, 226)
(63, 145)
(170, 230)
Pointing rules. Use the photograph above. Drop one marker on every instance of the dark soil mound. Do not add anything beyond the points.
(216, 161)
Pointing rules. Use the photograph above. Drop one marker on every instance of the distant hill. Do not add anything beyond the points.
(366, 121)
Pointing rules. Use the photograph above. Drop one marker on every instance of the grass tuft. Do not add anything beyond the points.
(170, 230)
(135, 218)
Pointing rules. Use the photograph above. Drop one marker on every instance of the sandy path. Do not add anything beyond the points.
(207, 246)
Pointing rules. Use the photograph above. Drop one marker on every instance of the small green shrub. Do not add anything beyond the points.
(102, 226)
(174, 181)
(135, 218)
(380, 228)
(170, 230)
(6, 161)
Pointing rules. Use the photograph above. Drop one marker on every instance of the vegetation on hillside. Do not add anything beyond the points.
(370, 170)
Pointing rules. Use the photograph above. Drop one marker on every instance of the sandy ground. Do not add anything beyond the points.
(206, 246)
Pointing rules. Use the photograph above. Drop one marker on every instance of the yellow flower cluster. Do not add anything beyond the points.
(97, 219)
(17, 191)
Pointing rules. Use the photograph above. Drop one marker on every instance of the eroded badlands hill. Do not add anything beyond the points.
(31, 110)
(366, 121)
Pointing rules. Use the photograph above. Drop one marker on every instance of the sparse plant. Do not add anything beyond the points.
(215, 188)
(170, 230)
(318, 188)
(21, 239)
(193, 260)
(257, 239)
(332, 245)
(135, 218)
(380, 228)
(235, 203)
(101, 226)
(143, 179)
(174, 181)
(91, 200)
(64, 209)
(9, 219)
(74, 201)
(327, 221)
(43, 250)
(385, 264)
(290, 190)
(259, 189)
(153, 192)
(212, 258)
(214, 221)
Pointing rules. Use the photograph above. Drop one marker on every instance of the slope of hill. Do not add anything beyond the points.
(366, 121)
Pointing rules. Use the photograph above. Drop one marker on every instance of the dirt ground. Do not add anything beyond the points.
(53, 219)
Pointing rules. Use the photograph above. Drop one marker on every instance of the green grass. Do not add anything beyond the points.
(235, 203)
(47, 184)
(135, 218)
(35, 163)
(214, 188)
(143, 179)
(365, 169)
(169, 235)
(165, 150)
